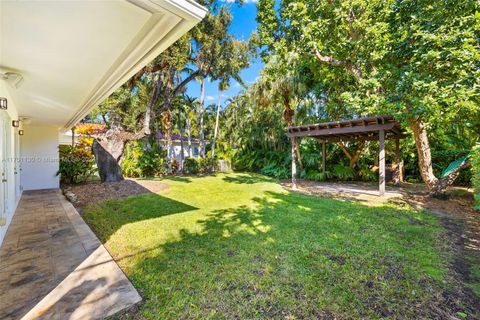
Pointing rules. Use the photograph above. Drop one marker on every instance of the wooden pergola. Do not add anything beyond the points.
(362, 129)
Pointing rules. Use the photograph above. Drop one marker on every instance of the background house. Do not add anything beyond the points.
(175, 150)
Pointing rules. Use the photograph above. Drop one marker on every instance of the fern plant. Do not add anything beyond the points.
(343, 173)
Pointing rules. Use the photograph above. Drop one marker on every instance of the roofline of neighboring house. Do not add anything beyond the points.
(178, 140)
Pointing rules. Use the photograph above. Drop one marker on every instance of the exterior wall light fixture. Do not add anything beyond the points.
(3, 103)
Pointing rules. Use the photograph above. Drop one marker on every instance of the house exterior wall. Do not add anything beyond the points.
(10, 190)
(135, 31)
(39, 157)
(175, 150)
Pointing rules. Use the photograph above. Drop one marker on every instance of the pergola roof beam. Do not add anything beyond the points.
(297, 132)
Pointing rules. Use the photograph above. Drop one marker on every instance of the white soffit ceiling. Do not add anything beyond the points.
(74, 54)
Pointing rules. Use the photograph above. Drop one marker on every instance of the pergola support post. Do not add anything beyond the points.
(294, 164)
(324, 157)
(398, 174)
(381, 162)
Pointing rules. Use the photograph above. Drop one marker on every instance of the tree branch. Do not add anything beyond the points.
(329, 60)
(345, 150)
(185, 81)
(355, 71)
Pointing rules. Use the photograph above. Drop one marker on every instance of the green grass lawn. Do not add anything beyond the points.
(239, 246)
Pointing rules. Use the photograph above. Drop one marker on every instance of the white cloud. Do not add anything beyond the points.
(209, 98)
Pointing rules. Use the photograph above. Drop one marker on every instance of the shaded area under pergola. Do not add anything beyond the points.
(362, 129)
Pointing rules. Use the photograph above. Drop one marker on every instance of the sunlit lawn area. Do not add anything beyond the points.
(239, 246)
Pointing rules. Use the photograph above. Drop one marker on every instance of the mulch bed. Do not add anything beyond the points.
(92, 192)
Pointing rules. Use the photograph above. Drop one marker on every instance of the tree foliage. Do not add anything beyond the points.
(415, 60)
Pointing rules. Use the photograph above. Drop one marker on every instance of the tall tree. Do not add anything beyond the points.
(203, 52)
(434, 72)
(412, 59)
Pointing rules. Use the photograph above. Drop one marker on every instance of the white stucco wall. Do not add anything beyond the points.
(175, 150)
(39, 157)
(9, 189)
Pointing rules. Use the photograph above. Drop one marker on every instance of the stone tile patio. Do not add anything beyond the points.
(52, 266)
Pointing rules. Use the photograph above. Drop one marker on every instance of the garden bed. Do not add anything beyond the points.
(92, 192)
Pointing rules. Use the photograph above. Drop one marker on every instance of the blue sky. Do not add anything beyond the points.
(242, 27)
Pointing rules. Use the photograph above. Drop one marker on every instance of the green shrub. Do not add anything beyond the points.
(274, 170)
(343, 173)
(475, 169)
(366, 174)
(315, 175)
(174, 165)
(206, 165)
(77, 163)
(190, 165)
(199, 165)
(143, 158)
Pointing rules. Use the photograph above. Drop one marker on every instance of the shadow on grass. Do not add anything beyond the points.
(247, 178)
(178, 179)
(294, 256)
(105, 218)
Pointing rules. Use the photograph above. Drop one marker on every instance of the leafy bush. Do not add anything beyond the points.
(77, 163)
(273, 170)
(366, 174)
(199, 165)
(174, 166)
(190, 165)
(143, 158)
(343, 173)
(130, 167)
(315, 175)
(475, 169)
(206, 165)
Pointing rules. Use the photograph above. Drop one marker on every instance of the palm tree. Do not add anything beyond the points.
(286, 90)
(179, 118)
(189, 107)
(223, 85)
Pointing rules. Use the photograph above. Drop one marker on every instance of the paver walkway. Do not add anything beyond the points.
(52, 266)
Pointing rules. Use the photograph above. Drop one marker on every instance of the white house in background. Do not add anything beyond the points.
(175, 149)
(68, 138)
(58, 60)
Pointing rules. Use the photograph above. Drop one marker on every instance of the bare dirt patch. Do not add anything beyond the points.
(92, 192)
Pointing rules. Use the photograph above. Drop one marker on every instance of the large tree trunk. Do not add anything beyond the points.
(108, 148)
(424, 154)
(353, 158)
(436, 187)
(107, 154)
(200, 115)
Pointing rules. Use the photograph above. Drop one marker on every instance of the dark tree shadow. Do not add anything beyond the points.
(178, 179)
(293, 255)
(247, 178)
(106, 217)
